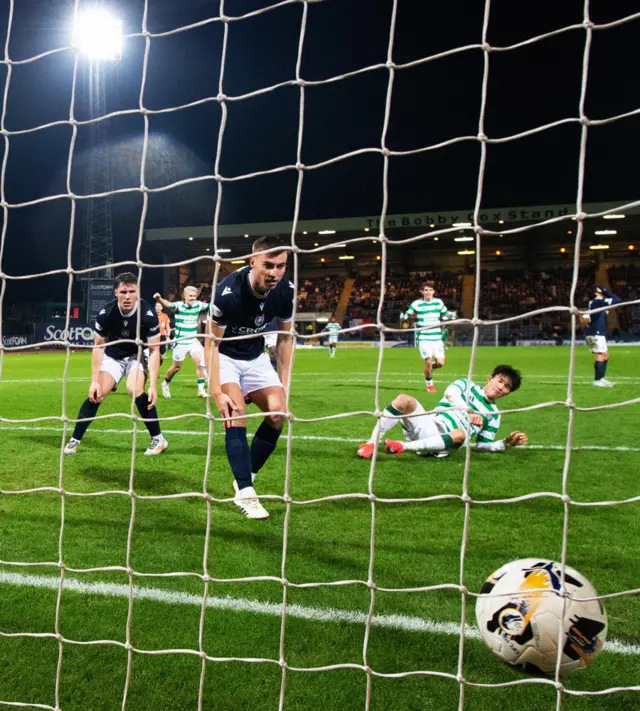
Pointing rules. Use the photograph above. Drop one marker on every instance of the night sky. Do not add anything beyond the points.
(433, 102)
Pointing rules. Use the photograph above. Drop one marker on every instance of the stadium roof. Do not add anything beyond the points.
(547, 224)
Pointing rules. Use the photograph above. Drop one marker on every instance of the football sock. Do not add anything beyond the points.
(263, 443)
(239, 455)
(386, 423)
(435, 443)
(429, 381)
(600, 368)
(200, 385)
(87, 409)
(604, 367)
(142, 403)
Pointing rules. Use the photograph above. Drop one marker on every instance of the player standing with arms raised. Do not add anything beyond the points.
(187, 313)
(428, 313)
(245, 303)
(118, 320)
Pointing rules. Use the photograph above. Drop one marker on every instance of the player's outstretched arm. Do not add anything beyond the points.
(165, 302)
(154, 367)
(515, 439)
(284, 349)
(224, 403)
(97, 355)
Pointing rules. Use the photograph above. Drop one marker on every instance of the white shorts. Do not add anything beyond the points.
(419, 427)
(270, 339)
(194, 349)
(333, 340)
(250, 375)
(117, 369)
(597, 344)
(431, 349)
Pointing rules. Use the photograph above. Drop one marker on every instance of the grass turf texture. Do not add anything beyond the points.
(416, 544)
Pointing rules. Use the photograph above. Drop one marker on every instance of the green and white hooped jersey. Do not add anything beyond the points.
(187, 320)
(458, 419)
(332, 328)
(428, 314)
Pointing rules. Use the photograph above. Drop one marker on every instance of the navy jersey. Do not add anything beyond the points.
(113, 326)
(240, 311)
(598, 322)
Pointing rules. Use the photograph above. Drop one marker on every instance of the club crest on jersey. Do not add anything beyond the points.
(125, 333)
(259, 320)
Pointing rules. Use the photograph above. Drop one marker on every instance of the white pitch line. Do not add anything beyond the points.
(319, 438)
(402, 623)
(541, 379)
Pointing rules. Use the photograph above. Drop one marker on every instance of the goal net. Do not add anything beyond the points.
(132, 584)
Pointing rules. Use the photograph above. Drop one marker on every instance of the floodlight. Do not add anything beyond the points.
(98, 34)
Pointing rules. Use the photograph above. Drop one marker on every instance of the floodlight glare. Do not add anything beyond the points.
(98, 34)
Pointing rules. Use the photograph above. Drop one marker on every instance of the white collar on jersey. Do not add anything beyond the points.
(253, 291)
(133, 310)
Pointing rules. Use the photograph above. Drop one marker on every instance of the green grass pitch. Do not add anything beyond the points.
(417, 544)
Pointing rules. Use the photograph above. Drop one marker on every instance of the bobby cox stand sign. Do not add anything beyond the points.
(76, 335)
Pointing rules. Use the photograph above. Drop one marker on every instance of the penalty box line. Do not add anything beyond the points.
(403, 623)
(311, 438)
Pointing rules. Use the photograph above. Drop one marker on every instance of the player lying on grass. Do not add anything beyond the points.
(110, 363)
(446, 429)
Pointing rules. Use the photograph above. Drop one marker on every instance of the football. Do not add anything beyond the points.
(519, 616)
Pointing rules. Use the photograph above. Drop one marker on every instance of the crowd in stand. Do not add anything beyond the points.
(625, 283)
(503, 293)
(400, 291)
(508, 292)
(320, 294)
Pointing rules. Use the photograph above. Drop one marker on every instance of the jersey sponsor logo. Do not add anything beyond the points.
(243, 330)
(226, 291)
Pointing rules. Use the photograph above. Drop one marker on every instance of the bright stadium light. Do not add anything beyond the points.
(463, 239)
(467, 252)
(614, 217)
(98, 34)
(326, 232)
(598, 246)
(462, 224)
(238, 261)
(606, 232)
(346, 256)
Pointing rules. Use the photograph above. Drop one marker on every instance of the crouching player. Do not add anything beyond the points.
(446, 429)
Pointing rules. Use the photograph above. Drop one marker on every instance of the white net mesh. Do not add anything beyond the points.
(285, 610)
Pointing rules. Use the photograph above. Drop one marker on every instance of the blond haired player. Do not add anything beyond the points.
(187, 312)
